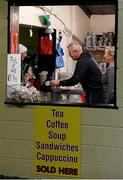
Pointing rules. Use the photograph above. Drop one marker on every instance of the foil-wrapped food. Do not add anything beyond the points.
(23, 94)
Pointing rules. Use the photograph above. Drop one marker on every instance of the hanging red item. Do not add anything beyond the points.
(14, 43)
(46, 45)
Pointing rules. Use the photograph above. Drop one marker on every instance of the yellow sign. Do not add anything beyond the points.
(57, 141)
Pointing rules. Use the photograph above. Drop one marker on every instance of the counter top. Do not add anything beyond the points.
(59, 90)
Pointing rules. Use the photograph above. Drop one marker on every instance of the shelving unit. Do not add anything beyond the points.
(97, 53)
(93, 50)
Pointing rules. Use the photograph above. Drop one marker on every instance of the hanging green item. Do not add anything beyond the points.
(45, 19)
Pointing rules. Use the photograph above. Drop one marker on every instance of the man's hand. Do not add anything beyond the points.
(54, 83)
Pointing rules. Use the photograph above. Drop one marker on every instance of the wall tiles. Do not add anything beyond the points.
(100, 172)
(104, 117)
(20, 130)
(102, 136)
(17, 113)
(102, 156)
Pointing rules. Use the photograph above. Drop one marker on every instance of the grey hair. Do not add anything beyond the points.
(111, 50)
(75, 46)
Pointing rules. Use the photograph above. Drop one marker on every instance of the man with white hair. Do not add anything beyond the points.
(86, 72)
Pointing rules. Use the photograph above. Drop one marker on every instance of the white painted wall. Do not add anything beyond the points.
(101, 23)
(81, 23)
(80, 27)
(29, 15)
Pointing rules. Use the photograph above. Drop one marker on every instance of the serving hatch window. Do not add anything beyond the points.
(62, 54)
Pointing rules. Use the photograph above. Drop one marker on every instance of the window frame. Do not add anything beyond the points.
(71, 2)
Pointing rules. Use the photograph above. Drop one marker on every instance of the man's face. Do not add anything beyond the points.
(73, 54)
(107, 56)
(30, 72)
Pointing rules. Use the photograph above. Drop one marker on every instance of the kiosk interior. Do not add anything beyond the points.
(41, 59)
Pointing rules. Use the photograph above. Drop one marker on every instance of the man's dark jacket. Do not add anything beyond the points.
(89, 75)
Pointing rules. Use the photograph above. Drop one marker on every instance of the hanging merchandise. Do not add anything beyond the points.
(94, 41)
(89, 40)
(45, 20)
(46, 45)
(60, 36)
(59, 56)
(14, 43)
(30, 32)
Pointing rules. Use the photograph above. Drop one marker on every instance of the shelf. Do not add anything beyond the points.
(94, 50)
(97, 54)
